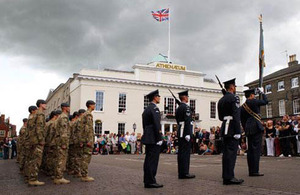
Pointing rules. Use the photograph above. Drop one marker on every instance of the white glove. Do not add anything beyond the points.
(237, 136)
(261, 90)
(187, 138)
(159, 143)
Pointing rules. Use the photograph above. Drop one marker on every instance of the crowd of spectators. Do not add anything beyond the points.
(204, 143)
(280, 138)
(8, 148)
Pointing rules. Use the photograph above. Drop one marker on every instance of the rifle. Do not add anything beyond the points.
(176, 100)
(223, 90)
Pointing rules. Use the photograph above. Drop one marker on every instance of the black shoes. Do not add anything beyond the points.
(256, 174)
(233, 181)
(154, 185)
(188, 176)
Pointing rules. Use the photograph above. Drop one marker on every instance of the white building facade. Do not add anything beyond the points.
(120, 96)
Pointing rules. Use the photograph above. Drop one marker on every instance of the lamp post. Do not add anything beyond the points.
(134, 127)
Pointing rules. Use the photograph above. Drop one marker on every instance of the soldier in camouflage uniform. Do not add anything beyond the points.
(24, 163)
(78, 129)
(49, 144)
(37, 142)
(72, 150)
(21, 141)
(87, 140)
(62, 144)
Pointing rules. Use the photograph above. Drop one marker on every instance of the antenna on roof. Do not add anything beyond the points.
(286, 55)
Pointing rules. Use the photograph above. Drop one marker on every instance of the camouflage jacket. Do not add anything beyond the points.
(87, 135)
(62, 130)
(30, 133)
(50, 133)
(72, 128)
(21, 136)
(78, 128)
(37, 132)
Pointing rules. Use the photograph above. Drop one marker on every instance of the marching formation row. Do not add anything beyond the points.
(58, 145)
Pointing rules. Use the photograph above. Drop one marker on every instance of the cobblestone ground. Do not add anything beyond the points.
(123, 174)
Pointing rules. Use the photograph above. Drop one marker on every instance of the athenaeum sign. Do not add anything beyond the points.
(170, 66)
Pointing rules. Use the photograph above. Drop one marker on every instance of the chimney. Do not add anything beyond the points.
(293, 60)
(2, 119)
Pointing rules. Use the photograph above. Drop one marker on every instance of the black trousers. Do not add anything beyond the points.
(6, 153)
(183, 157)
(151, 163)
(285, 146)
(294, 146)
(254, 152)
(230, 147)
(13, 152)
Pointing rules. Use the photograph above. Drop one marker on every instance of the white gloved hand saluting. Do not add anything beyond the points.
(261, 89)
(187, 138)
(159, 143)
(237, 136)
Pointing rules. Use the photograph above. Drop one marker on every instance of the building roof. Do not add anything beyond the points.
(121, 71)
(283, 72)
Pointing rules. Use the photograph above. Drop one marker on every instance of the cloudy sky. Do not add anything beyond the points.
(43, 42)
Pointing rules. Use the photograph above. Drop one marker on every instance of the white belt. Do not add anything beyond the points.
(227, 119)
(181, 128)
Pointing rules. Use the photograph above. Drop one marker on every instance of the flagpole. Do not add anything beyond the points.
(169, 50)
(261, 56)
(260, 53)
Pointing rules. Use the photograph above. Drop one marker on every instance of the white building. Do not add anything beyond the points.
(120, 96)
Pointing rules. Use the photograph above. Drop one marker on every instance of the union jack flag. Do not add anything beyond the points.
(161, 15)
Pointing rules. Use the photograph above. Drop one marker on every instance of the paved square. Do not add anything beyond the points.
(123, 174)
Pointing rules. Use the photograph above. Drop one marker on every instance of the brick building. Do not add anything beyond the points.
(282, 90)
(6, 129)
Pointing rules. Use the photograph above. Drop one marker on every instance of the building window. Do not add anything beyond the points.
(280, 85)
(98, 128)
(213, 110)
(122, 103)
(268, 88)
(193, 106)
(269, 110)
(121, 128)
(296, 106)
(2, 133)
(281, 107)
(146, 102)
(169, 106)
(295, 82)
(99, 101)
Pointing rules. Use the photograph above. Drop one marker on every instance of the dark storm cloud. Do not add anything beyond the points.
(208, 36)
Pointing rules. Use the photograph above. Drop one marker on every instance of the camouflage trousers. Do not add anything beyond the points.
(77, 159)
(71, 158)
(85, 159)
(44, 160)
(18, 150)
(61, 162)
(50, 160)
(35, 161)
(24, 165)
(24, 158)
